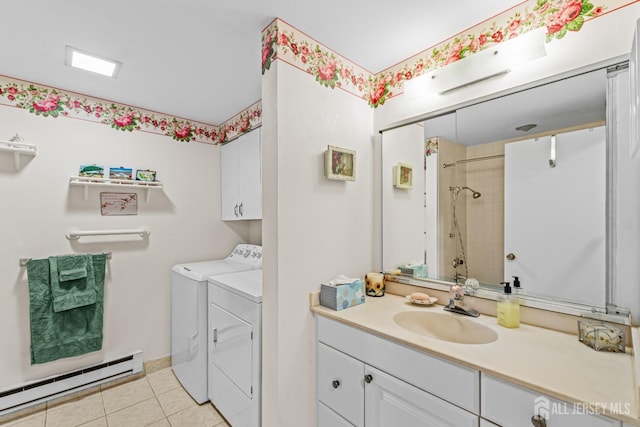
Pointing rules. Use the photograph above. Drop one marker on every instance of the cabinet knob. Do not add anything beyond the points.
(538, 421)
(368, 378)
(511, 257)
(335, 383)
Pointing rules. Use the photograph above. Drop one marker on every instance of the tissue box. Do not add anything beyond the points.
(600, 336)
(339, 297)
(407, 270)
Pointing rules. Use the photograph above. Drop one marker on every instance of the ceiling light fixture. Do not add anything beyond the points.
(77, 58)
(491, 62)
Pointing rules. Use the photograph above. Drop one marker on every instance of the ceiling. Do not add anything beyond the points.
(200, 59)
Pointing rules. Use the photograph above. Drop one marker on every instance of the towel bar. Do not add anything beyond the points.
(25, 261)
(75, 235)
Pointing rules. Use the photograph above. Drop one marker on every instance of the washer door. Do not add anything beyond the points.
(232, 347)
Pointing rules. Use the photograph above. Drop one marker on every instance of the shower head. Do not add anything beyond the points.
(475, 194)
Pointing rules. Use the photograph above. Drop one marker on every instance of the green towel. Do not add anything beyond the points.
(72, 281)
(55, 335)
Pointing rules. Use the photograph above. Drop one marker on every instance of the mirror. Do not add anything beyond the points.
(512, 186)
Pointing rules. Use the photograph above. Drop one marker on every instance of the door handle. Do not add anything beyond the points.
(215, 335)
(240, 209)
(235, 210)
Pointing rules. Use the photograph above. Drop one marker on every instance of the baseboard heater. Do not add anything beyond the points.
(39, 391)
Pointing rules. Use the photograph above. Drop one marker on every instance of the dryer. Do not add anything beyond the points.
(235, 346)
(189, 314)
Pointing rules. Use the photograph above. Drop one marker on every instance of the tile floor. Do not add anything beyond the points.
(156, 400)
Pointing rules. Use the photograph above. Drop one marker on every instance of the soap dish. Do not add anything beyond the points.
(601, 336)
(421, 301)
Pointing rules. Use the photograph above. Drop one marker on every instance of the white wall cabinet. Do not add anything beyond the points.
(241, 178)
(352, 391)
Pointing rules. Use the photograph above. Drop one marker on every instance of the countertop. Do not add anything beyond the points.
(549, 362)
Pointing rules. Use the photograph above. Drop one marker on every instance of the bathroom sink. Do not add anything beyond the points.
(446, 327)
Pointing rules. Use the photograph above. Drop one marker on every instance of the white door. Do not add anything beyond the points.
(390, 402)
(250, 175)
(555, 216)
(232, 347)
(229, 186)
(340, 384)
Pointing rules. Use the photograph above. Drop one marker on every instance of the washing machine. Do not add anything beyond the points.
(235, 346)
(189, 314)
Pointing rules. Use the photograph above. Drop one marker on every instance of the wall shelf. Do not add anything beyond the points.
(86, 182)
(17, 148)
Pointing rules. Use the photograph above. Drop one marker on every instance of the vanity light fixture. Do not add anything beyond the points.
(491, 62)
(77, 58)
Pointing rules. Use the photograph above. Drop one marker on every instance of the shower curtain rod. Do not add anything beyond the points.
(477, 159)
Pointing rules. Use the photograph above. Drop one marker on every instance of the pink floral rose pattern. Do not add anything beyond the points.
(241, 123)
(430, 146)
(268, 47)
(48, 102)
(331, 70)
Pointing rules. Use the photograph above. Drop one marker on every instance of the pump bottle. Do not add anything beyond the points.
(508, 308)
(518, 291)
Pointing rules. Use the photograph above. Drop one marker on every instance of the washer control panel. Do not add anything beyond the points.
(247, 254)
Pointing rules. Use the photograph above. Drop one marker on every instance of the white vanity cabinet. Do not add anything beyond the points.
(241, 178)
(364, 380)
(507, 404)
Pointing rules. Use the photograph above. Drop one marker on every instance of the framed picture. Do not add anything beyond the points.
(340, 163)
(91, 171)
(120, 173)
(403, 176)
(145, 175)
(114, 204)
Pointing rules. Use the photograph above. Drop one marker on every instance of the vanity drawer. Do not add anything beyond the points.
(340, 384)
(508, 405)
(454, 383)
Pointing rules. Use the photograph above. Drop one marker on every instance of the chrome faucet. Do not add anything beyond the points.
(456, 302)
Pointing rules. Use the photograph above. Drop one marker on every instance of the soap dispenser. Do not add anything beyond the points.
(508, 308)
(518, 291)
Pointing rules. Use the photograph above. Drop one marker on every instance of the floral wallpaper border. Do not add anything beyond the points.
(560, 17)
(49, 102)
(282, 41)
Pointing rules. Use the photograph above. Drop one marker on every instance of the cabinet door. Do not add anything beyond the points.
(511, 405)
(391, 402)
(328, 418)
(231, 349)
(250, 175)
(229, 181)
(340, 384)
